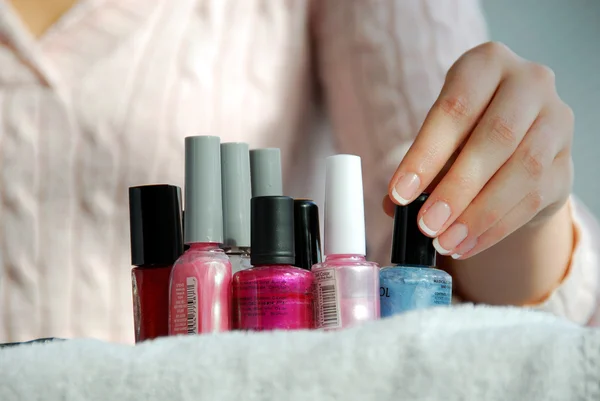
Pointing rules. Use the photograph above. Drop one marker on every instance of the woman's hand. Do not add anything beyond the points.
(498, 139)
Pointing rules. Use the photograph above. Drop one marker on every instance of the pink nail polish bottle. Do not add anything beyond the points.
(272, 295)
(237, 192)
(200, 286)
(346, 284)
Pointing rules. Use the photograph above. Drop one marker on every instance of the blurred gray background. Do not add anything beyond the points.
(565, 35)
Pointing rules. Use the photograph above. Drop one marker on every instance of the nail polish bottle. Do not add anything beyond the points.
(273, 294)
(346, 284)
(412, 283)
(237, 191)
(185, 246)
(156, 243)
(307, 235)
(265, 167)
(200, 287)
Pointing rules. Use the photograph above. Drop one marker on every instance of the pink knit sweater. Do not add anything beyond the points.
(103, 100)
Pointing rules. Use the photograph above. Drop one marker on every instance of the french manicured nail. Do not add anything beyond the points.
(406, 188)
(451, 238)
(435, 218)
(465, 248)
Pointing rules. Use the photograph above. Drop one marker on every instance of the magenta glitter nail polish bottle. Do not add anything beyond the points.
(272, 295)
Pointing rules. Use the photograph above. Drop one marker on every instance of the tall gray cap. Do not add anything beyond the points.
(203, 208)
(235, 177)
(266, 172)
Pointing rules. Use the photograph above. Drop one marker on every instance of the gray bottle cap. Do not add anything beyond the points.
(266, 172)
(235, 178)
(203, 208)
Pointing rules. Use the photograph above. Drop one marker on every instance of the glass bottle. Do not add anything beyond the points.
(412, 282)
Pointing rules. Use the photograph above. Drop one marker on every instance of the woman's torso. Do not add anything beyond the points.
(102, 101)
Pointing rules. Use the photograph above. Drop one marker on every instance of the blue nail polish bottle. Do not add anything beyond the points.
(412, 283)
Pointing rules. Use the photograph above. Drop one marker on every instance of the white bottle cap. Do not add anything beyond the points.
(344, 206)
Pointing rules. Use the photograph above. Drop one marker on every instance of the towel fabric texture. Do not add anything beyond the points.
(459, 353)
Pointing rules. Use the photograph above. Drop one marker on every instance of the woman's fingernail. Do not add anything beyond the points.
(435, 218)
(465, 248)
(440, 249)
(406, 188)
(451, 238)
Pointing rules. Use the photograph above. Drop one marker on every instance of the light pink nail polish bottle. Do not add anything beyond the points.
(200, 287)
(346, 284)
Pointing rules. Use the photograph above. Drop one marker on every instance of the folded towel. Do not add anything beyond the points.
(458, 353)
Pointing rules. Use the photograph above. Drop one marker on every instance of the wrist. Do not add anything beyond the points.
(523, 269)
(565, 214)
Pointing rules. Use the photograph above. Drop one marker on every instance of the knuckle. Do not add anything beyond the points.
(463, 183)
(542, 73)
(535, 201)
(456, 107)
(456, 68)
(502, 132)
(500, 230)
(569, 113)
(453, 183)
(490, 218)
(534, 163)
(491, 49)
(476, 59)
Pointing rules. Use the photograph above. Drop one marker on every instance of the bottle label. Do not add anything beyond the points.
(397, 296)
(186, 307)
(272, 304)
(327, 300)
(191, 292)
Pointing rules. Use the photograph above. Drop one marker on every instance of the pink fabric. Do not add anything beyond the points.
(579, 295)
(103, 100)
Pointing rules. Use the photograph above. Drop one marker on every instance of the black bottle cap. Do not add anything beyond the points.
(307, 236)
(272, 230)
(155, 221)
(409, 245)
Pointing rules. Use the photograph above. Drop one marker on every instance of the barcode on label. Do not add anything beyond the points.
(191, 291)
(327, 301)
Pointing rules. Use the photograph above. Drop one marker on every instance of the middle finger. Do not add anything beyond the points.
(512, 111)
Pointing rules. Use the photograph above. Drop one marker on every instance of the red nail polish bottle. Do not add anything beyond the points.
(156, 243)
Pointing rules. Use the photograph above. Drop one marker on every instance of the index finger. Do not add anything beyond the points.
(469, 87)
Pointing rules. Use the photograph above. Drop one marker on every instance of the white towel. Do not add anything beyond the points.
(459, 353)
